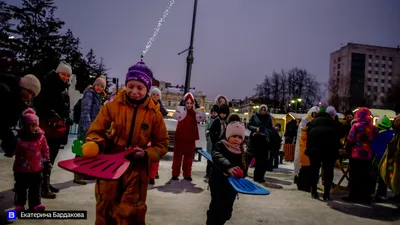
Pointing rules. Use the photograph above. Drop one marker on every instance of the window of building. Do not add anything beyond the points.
(383, 81)
(369, 72)
(389, 74)
(383, 57)
(376, 79)
(169, 103)
(338, 66)
(369, 79)
(390, 59)
(389, 81)
(334, 61)
(376, 72)
(368, 88)
(376, 65)
(377, 57)
(369, 64)
(334, 69)
(390, 66)
(370, 56)
(338, 59)
(382, 89)
(375, 89)
(383, 73)
(389, 90)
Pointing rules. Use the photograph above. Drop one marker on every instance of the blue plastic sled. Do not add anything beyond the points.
(241, 185)
(380, 142)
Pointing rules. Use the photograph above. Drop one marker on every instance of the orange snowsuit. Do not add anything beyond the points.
(304, 160)
(123, 201)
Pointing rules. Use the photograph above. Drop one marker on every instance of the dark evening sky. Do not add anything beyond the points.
(237, 42)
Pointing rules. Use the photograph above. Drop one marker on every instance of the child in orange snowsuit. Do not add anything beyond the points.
(137, 121)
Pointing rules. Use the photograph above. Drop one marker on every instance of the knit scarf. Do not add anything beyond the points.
(232, 148)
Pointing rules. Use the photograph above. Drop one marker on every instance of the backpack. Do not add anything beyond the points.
(77, 111)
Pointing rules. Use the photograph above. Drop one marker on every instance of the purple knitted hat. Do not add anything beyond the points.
(140, 72)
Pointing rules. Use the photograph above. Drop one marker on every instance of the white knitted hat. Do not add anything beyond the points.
(64, 67)
(155, 91)
(235, 128)
(31, 83)
(331, 110)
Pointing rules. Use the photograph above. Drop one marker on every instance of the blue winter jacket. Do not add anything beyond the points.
(90, 107)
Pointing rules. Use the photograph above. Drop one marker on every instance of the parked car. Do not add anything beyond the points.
(171, 128)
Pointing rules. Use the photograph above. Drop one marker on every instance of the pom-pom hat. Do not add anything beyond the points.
(235, 129)
(140, 72)
(100, 81)
(29, 117)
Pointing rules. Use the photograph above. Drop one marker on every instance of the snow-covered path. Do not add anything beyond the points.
(184, 203)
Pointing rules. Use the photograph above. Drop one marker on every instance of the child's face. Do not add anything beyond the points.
(235, 140)
(221, 101)
(98, 88)
(189, 104)
(136, 90)
(32, 128)
(214, 114)
(277, 128)
(64, 77)
(155, 96)
(222, 115)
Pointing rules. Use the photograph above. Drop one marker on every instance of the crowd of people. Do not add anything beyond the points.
(134, 119)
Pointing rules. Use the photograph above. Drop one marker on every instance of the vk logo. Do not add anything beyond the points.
(11, 215)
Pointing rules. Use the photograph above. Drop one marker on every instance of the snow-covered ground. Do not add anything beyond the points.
(185, 203)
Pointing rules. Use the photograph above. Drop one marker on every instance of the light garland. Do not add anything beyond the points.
(158, 27)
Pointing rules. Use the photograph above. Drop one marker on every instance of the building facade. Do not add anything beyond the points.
(363, 75)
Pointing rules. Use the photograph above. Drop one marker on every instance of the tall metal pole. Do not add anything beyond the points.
(190, 58)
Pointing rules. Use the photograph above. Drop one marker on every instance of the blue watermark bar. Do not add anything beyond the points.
(47, 215)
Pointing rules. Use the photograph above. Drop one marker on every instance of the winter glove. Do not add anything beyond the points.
(236, 172)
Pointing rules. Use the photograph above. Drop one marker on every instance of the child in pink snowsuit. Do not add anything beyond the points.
(32, 156)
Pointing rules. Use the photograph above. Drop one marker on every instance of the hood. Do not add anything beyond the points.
(363, 115)
(221, 96)
(261, 106)
(314, 109)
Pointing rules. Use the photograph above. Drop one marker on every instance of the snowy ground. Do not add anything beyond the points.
(184, 203)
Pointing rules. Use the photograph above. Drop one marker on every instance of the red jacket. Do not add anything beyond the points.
(30, 154)
(187, 129)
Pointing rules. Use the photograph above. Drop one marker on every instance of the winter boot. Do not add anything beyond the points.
(39, 208)
(152, 182)
(19, 208)
(78, 179)
(53, 189)
(46, 192)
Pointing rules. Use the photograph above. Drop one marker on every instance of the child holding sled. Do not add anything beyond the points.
(137, 121)
(32, 156)
(228, 158)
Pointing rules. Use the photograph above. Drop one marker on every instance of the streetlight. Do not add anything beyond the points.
(190, 58)
(298, 100)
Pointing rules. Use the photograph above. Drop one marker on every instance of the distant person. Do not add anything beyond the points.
(210, 121)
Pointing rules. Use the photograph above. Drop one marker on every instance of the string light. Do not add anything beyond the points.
(158, 27)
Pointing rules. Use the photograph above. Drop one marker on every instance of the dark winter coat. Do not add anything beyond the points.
(217, 130)
(163, 110)
(223, 160)
(265, 142)
(53, 99)
(323, 136)
(90, 106)
(11, 99)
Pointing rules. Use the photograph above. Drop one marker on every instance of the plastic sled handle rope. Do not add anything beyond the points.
(241, 185)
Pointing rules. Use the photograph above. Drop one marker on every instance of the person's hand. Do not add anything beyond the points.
(236, 172)
(139, 153)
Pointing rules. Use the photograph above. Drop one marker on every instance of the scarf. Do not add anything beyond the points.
(234, 149)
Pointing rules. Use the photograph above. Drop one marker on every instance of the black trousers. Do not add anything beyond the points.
(263, 163)
(208, 168)
(221, 206)
(249, 157)
(361, 179)
(27, 182)
(328, 165)
(304, 179)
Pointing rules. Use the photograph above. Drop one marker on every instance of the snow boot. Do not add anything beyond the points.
(46, 192)
(39, 208)
(78, 179)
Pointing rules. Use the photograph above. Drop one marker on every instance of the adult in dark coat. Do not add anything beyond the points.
(323, 144)
(15, 92)
(53, 107)
(260, 119)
